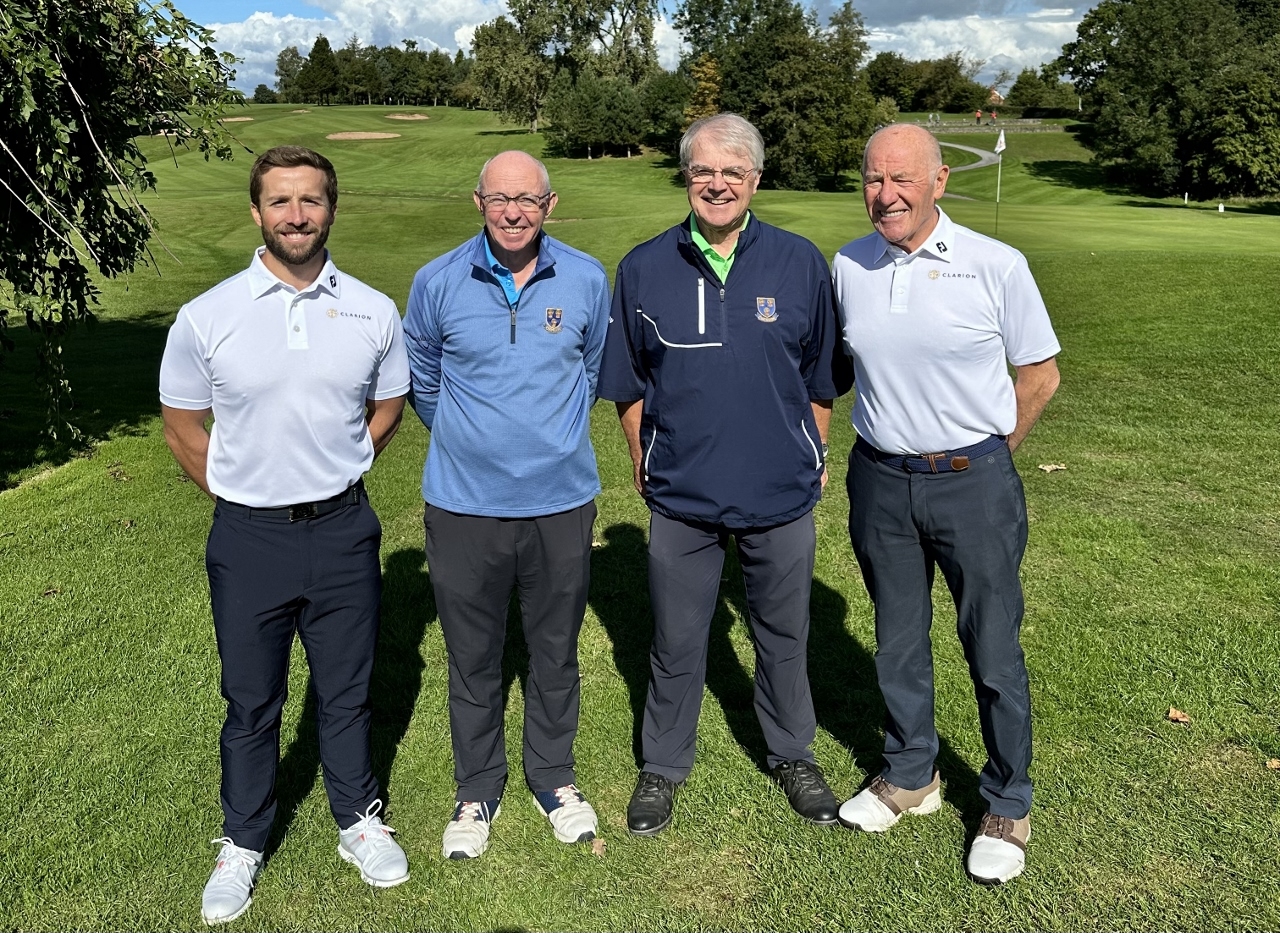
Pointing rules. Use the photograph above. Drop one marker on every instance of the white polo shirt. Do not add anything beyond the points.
(930, 333)
(286, 373)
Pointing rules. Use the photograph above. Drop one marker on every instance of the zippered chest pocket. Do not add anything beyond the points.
(695, 322)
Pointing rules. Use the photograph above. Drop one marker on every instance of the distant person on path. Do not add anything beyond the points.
(505, 334)
(993, 118)
(932, 314)
(723, 357)
(977, 117)
(303, 369)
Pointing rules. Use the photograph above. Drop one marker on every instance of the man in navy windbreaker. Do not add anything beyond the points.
(723, 356)
(505, 335)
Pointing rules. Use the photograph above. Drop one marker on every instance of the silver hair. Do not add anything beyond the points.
(731, 132)
(933, 150)
(543, 175)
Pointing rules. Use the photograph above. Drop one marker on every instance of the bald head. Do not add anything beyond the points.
(515, 164)
(908, 141)
(902, 179)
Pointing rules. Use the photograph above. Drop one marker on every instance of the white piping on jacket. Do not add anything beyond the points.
(817, 458)
(702, 309)
(667, 343)
(648, 452)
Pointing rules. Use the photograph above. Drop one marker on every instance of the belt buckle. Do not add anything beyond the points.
(298, 513)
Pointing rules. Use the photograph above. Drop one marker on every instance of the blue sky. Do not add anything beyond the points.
(1005, 33)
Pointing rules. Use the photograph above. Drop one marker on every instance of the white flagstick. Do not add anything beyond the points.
(1000, 147)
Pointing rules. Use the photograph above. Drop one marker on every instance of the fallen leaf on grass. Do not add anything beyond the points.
(1273, 764)
(597, 847)
(126, 522)
(51, 591)
(184, 478)
(1052, 467)
(1177, 715)
(116, 471)
(597, 544)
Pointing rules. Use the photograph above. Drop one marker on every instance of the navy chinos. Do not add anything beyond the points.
(269, 578)
(972, 525)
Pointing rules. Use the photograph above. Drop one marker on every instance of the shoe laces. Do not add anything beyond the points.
(801, 776)
(231, 859)
(371, 828)
(997, 827)
(472, 811)
(568, 795)
(652, 786)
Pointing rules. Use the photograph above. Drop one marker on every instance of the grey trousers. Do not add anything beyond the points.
(475, 563)
(973, 526)
(685, 561)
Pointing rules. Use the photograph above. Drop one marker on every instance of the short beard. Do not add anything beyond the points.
(294, 256)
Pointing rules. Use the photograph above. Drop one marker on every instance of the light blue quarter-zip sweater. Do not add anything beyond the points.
(506, 388)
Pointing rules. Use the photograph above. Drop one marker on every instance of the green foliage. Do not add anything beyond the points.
(320, 79)
(264, 95)
(942, 84)
(801, 84)
(288, 66)
(704, 101)
(664, 96)
(79, 83)
(1182, 93)
(512, 71)
(594, 116)
(1041, 90)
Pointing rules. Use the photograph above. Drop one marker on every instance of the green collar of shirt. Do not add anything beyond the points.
(720, 265)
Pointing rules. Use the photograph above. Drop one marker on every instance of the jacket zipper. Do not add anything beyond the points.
(513, 322)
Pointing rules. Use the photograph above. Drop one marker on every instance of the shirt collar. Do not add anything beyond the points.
(262, 280)
(940, 245)
(482, 254)
(492, 260)
(701, 242)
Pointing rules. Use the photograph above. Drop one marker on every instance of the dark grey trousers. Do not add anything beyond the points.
(685, 561)
(973, 526)
(476, 562)
(269, 578)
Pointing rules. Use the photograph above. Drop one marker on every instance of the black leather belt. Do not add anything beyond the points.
(303, 510)
(945, 461)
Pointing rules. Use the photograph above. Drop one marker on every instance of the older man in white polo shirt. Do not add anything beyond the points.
(304, 371)
(933, 315)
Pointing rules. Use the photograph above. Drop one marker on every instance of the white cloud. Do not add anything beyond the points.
(259, 38)
(668, 41)
(1003, 41)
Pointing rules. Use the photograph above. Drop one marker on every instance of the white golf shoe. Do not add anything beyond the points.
(229, 891)
(568, 812)
(882, 804)
(467, 834)
(368, 845)
(999, 851)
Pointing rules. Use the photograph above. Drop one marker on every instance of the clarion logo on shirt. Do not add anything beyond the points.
(935, 274)
(360, 317)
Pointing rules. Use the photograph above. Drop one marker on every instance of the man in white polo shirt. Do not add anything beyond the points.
(304, 371)
(933, 315)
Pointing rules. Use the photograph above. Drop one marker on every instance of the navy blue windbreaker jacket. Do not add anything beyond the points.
(727, 373)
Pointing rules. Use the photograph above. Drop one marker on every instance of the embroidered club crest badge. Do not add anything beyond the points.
(554, 318)
(766, 310)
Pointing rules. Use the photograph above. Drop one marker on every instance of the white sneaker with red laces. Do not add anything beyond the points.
(229, 891)
(467, 834)
(368, 845)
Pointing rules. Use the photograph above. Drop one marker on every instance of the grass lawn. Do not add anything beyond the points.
(1151, 582)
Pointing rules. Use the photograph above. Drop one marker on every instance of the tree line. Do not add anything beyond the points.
(367, 74)
(1183, 95)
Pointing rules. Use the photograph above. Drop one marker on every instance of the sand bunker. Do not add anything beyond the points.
(236, 120)
(363, 136)
(299, 111)
(407, 116)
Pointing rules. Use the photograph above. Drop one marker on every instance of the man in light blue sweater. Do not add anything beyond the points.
(505, 335)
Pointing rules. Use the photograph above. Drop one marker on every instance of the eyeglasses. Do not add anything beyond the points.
(526, 202)
(731, 176)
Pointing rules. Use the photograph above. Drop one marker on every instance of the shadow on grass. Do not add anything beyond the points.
(114, 368)
(516, 132)
(407, 609)
(842, 676)
(1076, 175)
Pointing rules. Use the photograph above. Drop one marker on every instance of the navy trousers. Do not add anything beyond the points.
(270, 578)
(972, 525)
(476, 563)
(685, 561)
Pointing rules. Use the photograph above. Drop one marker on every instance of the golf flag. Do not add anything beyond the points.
(1000, 147)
